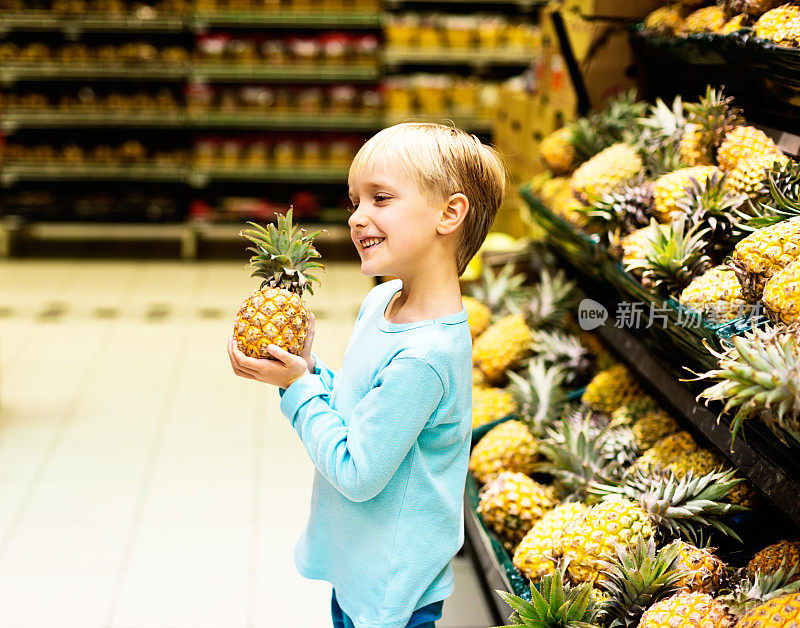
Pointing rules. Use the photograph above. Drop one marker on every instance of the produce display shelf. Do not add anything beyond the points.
(200, 177)
(492, 564)
(47, 21)
(189, 235)
(10, 173)
(524, 4)
(288, 19)
(213, 71)
(11, 72)
(11, 120)
(768, 465)
(288, 121)
(395, 55)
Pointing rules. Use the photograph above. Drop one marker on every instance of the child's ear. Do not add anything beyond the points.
(453, 214)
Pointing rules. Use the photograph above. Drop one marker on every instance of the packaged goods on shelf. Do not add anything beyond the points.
(329, 48)
(477, 31)
(611, 9)
(275, 150)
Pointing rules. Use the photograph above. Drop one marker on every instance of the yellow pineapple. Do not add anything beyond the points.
(688, 610)
(566, 206)
(668, 450)
(691, 148)
(507, 447)
(732, 25)
(628, 414)
(744, 142)
(784, 554)
(478, 378)
(705, 20)
(653, 425)
(702, 461)
(511, 503)
(502, 346)
(749, 177)
(779, 612)
(667, 20)
(558, 152)
(551, 188)
(643, 505)
(275, 313)
(612, 388)
(478, 315)
(589, 540)
(703, 571)
(534, 555)
(780, 25)
(671, 187)
(490, 404)
(716, 294)
(781, 296)
(635, 244)
(763, 253)
(606, 170)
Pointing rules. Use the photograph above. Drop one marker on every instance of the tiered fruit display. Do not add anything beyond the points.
(773, 20)
(606, 504)
(702, 208)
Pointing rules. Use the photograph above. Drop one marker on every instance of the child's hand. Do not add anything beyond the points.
(305, 353)
(283, 371)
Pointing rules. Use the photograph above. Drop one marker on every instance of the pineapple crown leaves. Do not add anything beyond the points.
(627, 208)
(715, 115)
(618, 121)
(709, 197)
(580, 453)
(637, 578)
(554, 604)
(547, 302)
(761, 587)
(499, 291)
(539, 393)
(659, 142)
(559, 348)
(283, 255)
(783, 182)
(673, 256)
(759, 371)
(679, 507)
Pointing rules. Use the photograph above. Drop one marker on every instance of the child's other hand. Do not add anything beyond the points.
(283, 371)
(306, 351)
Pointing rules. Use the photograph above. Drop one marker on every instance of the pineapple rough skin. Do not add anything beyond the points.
(672, 186)
(763, 253)
(716, 294)
(780, 25)
(271, 316)
(780, 612)
(591, 540)
(534, 555)
(688, 610)
(611, 389)
(512, 503)
(705, 573)
(783, 554)
(781, 296)
(501, 347)
(744, 142)
(508, 447)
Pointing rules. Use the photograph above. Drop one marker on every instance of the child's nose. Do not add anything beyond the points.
(357, 218)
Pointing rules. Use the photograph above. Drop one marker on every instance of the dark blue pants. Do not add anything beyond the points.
(424, 617)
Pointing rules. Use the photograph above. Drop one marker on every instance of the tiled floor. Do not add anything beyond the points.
(142, 485)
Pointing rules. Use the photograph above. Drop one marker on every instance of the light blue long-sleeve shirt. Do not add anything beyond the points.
(389, 436)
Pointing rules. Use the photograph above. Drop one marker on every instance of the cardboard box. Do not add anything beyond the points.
(603, 53)
(613, 9)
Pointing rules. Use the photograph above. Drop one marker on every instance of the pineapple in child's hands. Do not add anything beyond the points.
(275, 313)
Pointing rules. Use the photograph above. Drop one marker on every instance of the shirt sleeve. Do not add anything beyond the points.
(325, 373)
(360, 457)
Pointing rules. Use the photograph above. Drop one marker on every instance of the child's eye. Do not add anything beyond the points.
(381, 198)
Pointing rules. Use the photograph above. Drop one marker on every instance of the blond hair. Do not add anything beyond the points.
(442, 160)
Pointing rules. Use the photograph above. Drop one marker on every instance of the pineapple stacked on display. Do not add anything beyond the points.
(695, 203)
(770, 19)
(275, 313)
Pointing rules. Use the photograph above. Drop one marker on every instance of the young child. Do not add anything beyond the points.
(389, 434)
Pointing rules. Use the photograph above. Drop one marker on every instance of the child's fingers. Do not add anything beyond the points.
(280, 354)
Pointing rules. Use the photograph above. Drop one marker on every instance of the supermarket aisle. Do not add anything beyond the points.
(142, 485)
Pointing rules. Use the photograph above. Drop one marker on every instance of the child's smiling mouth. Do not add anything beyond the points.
(368, 243)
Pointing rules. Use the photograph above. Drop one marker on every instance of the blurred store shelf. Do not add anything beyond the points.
(393, 56)
(287, 19)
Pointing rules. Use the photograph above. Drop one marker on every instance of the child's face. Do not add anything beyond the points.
(393, 224)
